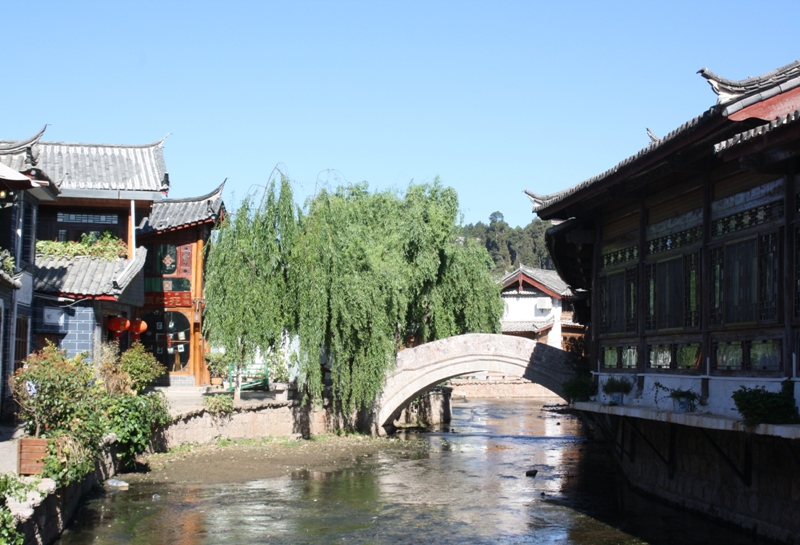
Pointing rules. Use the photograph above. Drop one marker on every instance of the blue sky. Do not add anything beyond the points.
(493, 97)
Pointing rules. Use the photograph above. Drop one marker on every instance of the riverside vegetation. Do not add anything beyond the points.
(353, 276)
(75, 405)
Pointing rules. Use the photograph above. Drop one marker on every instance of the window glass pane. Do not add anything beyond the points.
(610, 356)
(660, 356)
(765, 355)
(728, 355)
(629, 357)
(688, 356)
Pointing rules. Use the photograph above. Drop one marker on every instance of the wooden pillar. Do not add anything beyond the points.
(705, 275)
(641, 290)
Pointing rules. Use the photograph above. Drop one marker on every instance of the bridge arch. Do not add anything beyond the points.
(418, 369)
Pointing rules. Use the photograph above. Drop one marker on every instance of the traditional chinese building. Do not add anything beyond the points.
(538, 306)
(175, 234)
(689, 251)
(113, 189)
(23, 188)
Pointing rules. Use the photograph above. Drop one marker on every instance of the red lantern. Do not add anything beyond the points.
(118, 324)
(137, 328)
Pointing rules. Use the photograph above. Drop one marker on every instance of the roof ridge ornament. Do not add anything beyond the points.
(728, 90)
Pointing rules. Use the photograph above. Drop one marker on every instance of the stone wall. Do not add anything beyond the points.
(752, 481)
(502, 387)
(430, 409)
(254, 421)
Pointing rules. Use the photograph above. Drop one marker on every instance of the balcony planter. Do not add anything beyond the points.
(617, 389)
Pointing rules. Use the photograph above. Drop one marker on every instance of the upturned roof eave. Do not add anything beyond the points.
(558, 206)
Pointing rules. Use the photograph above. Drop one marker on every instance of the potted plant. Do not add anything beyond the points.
(683, 401)
(617, 389)
(218, 364)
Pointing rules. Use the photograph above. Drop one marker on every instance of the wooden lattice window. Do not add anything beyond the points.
(650, 296)
(631, 285)
(691, 290)
(768, 277)
(715, 294)
(21, 341)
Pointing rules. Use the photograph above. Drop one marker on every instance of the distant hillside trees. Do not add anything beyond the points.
(509, 247)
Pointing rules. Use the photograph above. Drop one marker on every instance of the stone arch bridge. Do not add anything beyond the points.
(420, 368)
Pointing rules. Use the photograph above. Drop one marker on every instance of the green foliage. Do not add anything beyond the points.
(107, 247)
(278, 365)
(371, 270)
(115, 380)
(58, 399)
(134, 419)
(690, 396)
(141, 366)
(353, 278)
(55, 394)
(614, 385)
(758, 406)
(7, 264)
(11, 486)
(218, 363)
(219, 405)
(580, 388)
(510, 247)
(246, 276)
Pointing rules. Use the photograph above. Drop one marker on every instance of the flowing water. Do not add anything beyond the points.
(469, 487)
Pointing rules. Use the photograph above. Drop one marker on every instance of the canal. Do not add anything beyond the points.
(468, 485)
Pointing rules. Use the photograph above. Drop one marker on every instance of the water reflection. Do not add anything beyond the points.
(469, 486)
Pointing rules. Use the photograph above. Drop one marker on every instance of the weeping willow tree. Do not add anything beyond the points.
(353, 278)
(370, 271)
(246, 277)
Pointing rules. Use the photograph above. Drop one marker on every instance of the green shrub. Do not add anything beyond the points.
(15, 488)
(56, 394)
(218, 363)
(614, 385)
(134, 419)
(141, 366)
(108, 246)
(219, 405)
(580, 388)
(758, 406)
(115, 380)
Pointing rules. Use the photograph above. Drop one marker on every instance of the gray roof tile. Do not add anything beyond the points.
(546, 277)
(91, 166)
(172, 214)
(525, 326)
(755, 132)
(86, 276)
(733, 96)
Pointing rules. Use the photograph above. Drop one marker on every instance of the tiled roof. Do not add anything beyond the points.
(540, 202)
(525, 326)
(86, 276)
(91, 166)
(758, 88)
(176, 213)
(546, 277)
(755, 132)
(733, 96)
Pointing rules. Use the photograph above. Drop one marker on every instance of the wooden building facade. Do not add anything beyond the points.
(688, 253)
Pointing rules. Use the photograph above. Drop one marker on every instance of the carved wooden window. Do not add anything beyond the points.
(630, 299)
(691, 290)
(669, 294)
(715, 296)
(768, 277)
(617, 296)
(650, 296)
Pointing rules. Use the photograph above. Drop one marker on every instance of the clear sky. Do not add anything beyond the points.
(494, 97)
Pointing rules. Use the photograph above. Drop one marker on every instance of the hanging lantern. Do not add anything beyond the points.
(118, 324)
(137, 328)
